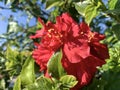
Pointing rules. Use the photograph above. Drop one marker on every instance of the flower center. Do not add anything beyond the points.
(54, 39)
(91, 35)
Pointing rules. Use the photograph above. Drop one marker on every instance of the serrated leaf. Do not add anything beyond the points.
(91, 12)
(27, 74)
(17, 85)
(54, 65)
(68, 81)
(40, 84)
(80, 7)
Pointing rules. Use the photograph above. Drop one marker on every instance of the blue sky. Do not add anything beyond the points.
(19, 16)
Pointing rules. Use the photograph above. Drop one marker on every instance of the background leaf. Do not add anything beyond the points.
(91, 11)
(116, 30)
(81, 6)
(52, 3)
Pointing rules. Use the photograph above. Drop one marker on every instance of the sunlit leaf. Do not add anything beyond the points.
(80, 6)
(112, 4)
(68, 81)
(17, 85)
(91, 11)
(27, 74)
(40, 84)
(52, 3)
(54, 65)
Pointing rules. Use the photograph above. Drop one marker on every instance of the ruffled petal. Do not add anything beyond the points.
(41, 56)
(83, 71)
(75, 52)
(99, 50)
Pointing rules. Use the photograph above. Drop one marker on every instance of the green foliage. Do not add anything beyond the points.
(65, 83)
(2, 84)
(52, 3)
(26, 79)
(17, 85)
(27, 74)
(54, 65)
(68, 81)
(41, 83)
(89, 9)
(80, 6)
(116, 30)
(14, 61)
(112, 4)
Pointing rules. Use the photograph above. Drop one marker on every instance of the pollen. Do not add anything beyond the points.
(49, 35)
(50, 30)
(82, 33)
(90, 37)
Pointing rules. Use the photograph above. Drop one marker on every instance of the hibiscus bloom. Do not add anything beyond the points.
(81, 48)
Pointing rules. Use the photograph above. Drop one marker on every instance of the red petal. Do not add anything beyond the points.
(76, 51)
(41, 21)
(99, 50)
(84, 27)
(83, 71)
(41, 56)
(38, 34)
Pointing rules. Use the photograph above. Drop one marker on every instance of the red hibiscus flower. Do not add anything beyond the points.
(82, 51)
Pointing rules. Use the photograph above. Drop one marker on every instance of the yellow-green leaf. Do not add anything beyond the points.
(17, 85)
(27, 74)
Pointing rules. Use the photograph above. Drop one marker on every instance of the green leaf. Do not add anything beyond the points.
(112, 4)
(27, 74)
(17, 85)
(11, 56)
(2, 84)
(22, 1)
(91, 11)
(117, 6)
(52, 3)
(116, 30)
(41, 83)
(80, 7)
(54, 65)
(114, 11)
(68, 81)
